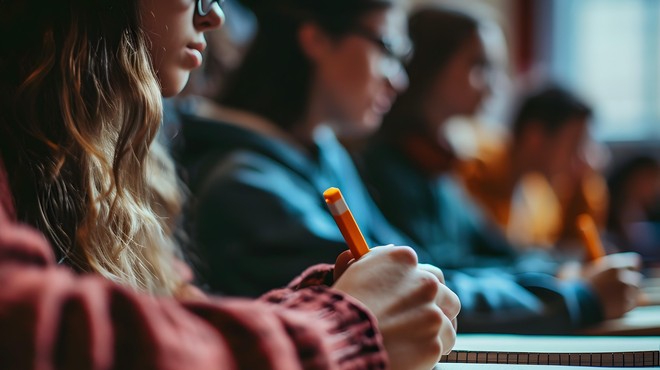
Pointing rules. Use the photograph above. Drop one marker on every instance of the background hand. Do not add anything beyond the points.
(615, 279)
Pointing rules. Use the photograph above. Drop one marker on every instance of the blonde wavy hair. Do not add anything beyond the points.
(84, 107)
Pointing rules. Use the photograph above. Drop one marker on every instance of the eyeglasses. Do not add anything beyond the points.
(395, 52)
(204, 6)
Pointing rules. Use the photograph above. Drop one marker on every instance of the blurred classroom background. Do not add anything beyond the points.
(603, 55)
(606, 52)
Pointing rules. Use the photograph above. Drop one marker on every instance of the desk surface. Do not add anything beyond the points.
(643, 320)
(651, 292)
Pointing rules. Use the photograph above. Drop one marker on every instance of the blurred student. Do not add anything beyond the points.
(408, 162)
(80, 92)
(316, 70)
(268, 143)
(539, 182)
(632, 222)
(408, 166)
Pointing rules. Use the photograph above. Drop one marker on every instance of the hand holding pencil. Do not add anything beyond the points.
(615, 278)
(416, 333)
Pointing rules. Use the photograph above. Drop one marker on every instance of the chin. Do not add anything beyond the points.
(172, 86)
(365, 127)
(371, 122)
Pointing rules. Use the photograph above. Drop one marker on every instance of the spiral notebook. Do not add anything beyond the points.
(556, 350)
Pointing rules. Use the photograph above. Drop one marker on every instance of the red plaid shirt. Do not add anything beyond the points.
(51, 318)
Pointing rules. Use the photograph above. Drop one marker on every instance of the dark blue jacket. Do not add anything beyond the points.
(260, 218)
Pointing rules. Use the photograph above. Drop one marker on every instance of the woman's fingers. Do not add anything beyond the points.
(446, 299)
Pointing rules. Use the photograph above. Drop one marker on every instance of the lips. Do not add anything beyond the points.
(199, 46)
(382, 105)
(193, 54)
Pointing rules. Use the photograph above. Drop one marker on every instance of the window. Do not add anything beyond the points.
(609, 52)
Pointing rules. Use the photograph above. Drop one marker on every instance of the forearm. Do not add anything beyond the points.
(526, 303)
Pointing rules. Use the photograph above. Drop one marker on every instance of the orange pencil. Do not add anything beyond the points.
(346, 223)
(590, 237)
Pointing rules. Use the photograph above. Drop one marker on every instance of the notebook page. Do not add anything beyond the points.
(554, 344)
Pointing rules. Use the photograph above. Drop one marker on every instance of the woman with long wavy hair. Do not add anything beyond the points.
(80, 89)
(81, 178)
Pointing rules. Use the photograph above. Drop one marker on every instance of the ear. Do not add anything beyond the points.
(314, 42)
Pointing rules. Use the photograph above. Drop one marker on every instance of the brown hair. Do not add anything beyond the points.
(437, 33)
(81, 106)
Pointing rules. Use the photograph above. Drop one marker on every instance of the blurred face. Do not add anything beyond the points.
(461, 86)
(176, 33)
(360, 77)
(563, 150)
(644, 186)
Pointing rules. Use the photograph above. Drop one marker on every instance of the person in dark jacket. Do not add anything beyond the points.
(270, 145)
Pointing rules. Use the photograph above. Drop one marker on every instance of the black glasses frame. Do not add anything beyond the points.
(400, 51)
(395, 53)
(204, 6)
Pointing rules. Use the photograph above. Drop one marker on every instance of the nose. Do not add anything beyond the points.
(214, 19)
(399, 80)
(481, 79)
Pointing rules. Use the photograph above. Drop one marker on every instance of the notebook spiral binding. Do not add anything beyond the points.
(618, 359)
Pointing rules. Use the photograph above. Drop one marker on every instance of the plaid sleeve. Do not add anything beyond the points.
(321, 274)
(344, 332)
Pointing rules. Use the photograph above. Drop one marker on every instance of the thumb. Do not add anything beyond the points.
(344, 260)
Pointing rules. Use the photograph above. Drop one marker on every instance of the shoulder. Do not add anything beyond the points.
(252, 168)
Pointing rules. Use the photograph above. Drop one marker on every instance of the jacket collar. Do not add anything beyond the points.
(228, 130)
